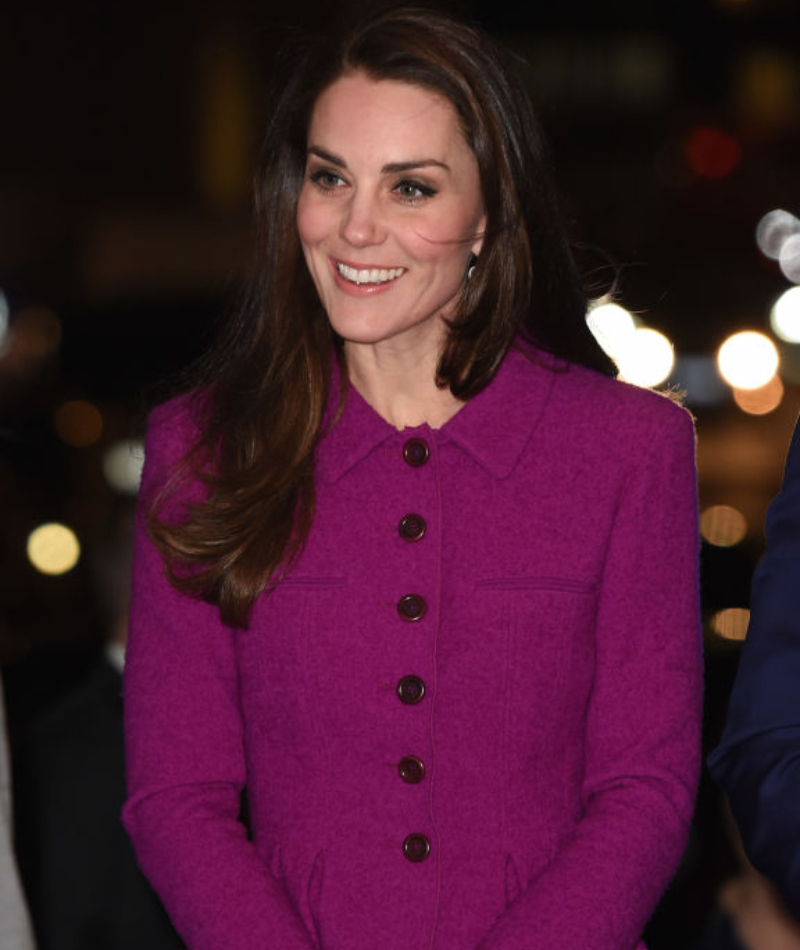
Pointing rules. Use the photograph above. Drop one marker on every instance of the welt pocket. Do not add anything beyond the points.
(567, 584)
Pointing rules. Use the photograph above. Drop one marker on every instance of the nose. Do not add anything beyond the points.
(362, 223)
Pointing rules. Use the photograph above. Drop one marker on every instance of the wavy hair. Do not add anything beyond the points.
(268, 379)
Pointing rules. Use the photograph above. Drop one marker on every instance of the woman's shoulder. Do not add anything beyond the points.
(177, 423)
(613, 403)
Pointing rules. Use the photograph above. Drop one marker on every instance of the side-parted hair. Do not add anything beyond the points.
(266, 384)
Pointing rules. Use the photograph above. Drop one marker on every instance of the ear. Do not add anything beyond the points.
(479, 231)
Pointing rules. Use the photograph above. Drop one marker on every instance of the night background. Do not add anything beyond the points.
(130, 132)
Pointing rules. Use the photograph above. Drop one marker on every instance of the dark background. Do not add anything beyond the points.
(128, 136)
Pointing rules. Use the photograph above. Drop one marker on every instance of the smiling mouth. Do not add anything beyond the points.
(372, 275)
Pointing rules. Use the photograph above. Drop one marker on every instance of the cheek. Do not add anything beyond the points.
(311, 223)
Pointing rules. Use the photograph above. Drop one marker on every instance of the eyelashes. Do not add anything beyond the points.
(409, 190)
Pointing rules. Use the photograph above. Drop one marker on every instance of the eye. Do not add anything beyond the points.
(413, 191)
(326, 179)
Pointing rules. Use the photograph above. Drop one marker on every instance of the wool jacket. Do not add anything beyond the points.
(472, 729)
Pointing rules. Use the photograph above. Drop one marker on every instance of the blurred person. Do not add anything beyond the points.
(757, 763)
(15, 924)
(411, 568)
(85, 888)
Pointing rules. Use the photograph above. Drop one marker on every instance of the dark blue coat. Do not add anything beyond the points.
(758, 760)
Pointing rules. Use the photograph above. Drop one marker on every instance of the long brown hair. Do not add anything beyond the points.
(266, 383)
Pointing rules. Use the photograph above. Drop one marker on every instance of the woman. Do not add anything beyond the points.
(431, 593)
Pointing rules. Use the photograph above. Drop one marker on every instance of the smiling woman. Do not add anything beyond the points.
(412, 570)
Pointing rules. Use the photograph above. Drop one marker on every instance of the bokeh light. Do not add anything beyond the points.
(122, 466)
(747, 360)
(78, 423)
(648, 358)
(612, 326)
(790, 258)
(773, 230)
(759, 402)
(731, 623)
(722, 525)
(53, 548)
(785, 315)
(712, 153)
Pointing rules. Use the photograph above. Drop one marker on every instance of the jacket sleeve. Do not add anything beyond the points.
(185, 758)
(643, 720)
(758, 761)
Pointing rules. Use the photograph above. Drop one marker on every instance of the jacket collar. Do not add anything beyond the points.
(493, 427)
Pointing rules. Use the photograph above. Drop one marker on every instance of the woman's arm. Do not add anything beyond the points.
(643, 722)
(185, 756)
(758, 761)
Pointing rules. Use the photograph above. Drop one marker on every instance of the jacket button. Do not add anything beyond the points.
(412, 607)
(416, 452)
(416, 848)
(411, 769)
(412, 527)
(410, 690)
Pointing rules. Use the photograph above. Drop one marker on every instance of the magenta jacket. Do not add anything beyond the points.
(469, 717)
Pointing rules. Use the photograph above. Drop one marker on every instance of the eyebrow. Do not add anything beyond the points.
(392, 168)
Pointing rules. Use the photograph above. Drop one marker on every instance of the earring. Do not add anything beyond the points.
(471, 265)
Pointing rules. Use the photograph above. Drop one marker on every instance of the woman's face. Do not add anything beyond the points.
(390, 210)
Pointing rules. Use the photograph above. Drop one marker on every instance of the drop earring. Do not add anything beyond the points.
(471, 265)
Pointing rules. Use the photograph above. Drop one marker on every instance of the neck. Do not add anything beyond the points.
(400, 384)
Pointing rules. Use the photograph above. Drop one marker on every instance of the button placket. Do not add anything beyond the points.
(411, 608)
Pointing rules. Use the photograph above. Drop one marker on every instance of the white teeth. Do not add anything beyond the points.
(374, 275)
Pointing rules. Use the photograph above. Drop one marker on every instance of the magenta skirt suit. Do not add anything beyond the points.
(468, 718)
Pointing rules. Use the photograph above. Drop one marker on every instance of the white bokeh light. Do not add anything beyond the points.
(647, 359)
(122, 466)
(747, 360)
(789, 259)
(613, 327)
(773, 230)
(785, 315)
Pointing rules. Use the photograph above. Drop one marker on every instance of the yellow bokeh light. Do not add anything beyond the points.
(722, 525)
(747, 360)
(648, 358)
(53, 548)
(78, 423)
(758, 402)
(731, 623)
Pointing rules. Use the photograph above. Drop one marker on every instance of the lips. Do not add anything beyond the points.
(368, 275)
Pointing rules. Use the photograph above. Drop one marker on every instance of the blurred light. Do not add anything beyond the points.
(758, 402)
(33, 337)
(731, 623)
(78, 423)
(765, 89)
(723, 526)
(53, 549)
(790, 258)
(712, 153)
(613, 327)
(696, 374)
(785, 315)
(122, 466)
(747, 360)
(648, 358)
(3, 320)
(773, 230)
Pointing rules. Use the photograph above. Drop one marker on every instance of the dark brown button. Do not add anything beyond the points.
(416, 848)
(412, 607)
(411, 769)
(416, 452)
(410, 690)
(411, 527)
